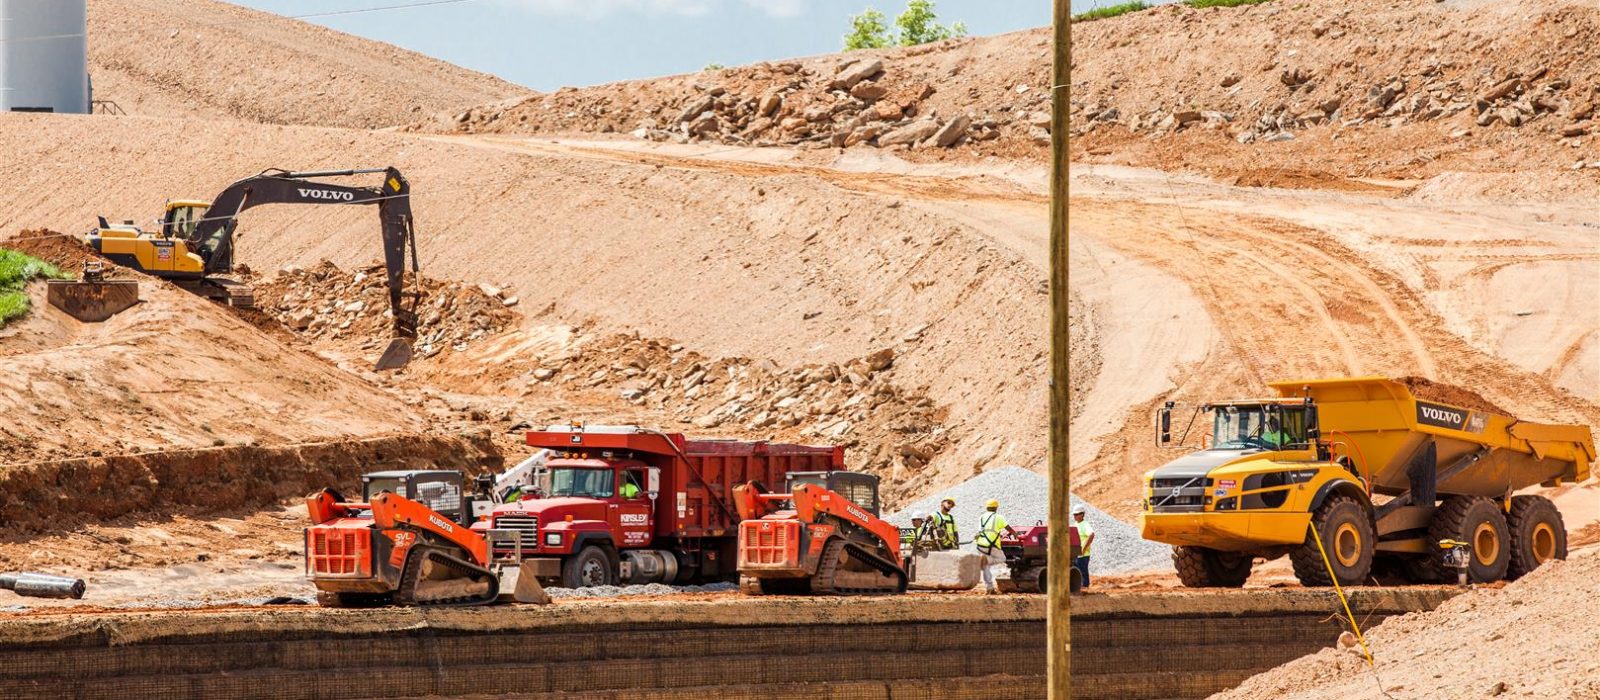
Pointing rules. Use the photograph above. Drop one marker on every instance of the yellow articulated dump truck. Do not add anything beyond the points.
(1381, 475)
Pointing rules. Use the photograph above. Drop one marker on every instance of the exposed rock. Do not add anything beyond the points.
(910, 133)
(952, 131)
(696, 107)
(857, 72)
(868, 91)
(771, 101)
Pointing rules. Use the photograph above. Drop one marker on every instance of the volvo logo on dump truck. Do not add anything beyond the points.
(327, 194)
(1440, 416)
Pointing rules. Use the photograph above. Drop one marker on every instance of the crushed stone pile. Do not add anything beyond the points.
(635, 590)
(915, 98)
(887, 429)
(325, 302)
(1024, 500)
(1534, 638)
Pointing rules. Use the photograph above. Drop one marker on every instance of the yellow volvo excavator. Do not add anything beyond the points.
(194, 247)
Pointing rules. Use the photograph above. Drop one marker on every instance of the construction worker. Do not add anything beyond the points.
(1085, 541)
(991, 525)
(629, 488)
(943, 525)
(1274, 435)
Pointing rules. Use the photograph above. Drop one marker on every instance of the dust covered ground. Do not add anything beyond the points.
(807, 280)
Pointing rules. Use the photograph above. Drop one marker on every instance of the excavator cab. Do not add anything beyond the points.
(181, 218)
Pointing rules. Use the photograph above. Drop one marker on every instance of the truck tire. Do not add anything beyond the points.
(1538, 534)
(591, 566)
(1202, 567)
(1478, 521)
(1348, 536)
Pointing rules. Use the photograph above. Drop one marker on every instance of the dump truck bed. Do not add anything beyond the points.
(1478, 453)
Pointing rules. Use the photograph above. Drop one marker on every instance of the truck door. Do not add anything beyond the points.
(631, 511)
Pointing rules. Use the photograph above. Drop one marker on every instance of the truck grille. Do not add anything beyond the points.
(526, 527)
(339, 551)
(1178, 495)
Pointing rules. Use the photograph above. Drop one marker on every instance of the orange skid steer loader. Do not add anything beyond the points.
(822, 536)
(395, 550)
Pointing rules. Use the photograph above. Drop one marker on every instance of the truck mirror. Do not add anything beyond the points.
(1313, 431)
(1165, 433)
(652, 482)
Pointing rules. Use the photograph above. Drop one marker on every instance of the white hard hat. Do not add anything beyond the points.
(1079, 510)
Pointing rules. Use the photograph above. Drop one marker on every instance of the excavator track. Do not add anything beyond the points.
(847, 569)
(434, 577)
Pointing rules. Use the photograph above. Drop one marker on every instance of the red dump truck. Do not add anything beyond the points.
(632, 505)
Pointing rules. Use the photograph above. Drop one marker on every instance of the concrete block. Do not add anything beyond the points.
(955, 570)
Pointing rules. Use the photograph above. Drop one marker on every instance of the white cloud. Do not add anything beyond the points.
(594, 9)
(781, 8)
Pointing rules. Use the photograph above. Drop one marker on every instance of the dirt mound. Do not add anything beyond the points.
(1401, 90)
(201, 58)
(173, 372)
(64, 251)
(986, 96)
(333, 307)
(54, 495)
(1429, 390)
(1533, 638)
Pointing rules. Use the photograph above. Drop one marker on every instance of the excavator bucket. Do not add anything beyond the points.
(92, 301)
(396, 355)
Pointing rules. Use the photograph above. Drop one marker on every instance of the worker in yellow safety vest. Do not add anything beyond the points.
(942, 525)
(991, 525)
(1085, 541)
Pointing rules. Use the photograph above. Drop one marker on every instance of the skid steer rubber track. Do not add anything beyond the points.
(847, 569)
(463, 582)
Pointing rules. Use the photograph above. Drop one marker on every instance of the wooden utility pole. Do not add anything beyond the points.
(1059, 637)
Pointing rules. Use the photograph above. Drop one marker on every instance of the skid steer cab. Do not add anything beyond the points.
(407, 542)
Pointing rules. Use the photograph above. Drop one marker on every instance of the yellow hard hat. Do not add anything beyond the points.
(992, 504)
(948, 499)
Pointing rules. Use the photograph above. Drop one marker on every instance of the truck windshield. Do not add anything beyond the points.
(591, 483)
(1258, 427)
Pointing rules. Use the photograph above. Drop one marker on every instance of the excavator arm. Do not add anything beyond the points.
(212, 239)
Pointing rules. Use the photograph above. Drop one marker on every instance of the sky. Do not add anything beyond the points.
(546, 44)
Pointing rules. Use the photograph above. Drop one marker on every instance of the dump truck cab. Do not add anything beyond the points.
(603, 500)
(1357, 480)
(1259, 474)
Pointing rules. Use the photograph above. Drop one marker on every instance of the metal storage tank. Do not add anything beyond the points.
(44, 56)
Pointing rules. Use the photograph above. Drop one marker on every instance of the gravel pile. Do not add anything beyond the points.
(1023, 497)
(646, 589)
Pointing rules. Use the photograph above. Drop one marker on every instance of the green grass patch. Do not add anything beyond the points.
(16, 271)
(1111, 11)
(1222, 3)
